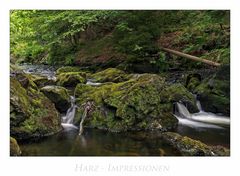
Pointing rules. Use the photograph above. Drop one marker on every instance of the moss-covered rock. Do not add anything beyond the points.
(190, 147)
(14, 147)
(71, 79)
(59, 96)
(110, 75)
(214, 92)
(42, 81)
(141, 103)
(193, 80)
(25, 80)
(32, 114)
(178, 93)
(68, 69)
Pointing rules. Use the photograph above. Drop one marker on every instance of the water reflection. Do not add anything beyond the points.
(97, 143)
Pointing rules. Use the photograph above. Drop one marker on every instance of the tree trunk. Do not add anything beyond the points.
(194, 58)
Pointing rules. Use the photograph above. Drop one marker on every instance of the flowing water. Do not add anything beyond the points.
(67, 120)
(210, 128)
(41, 70)
(93, 83)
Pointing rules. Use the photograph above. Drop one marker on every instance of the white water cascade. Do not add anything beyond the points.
(93, 83)
(67, 120)
(201, 119)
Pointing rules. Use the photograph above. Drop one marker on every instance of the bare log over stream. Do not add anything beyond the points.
(194, 58)
(88, 108)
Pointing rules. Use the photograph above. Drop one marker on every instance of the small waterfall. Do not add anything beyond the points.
(182, 111)
(67, 120)
(52, 77)
(199, 106)
(201, 119)
(92, 83)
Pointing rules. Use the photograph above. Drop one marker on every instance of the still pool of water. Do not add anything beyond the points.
(96, 143)
(102, 143)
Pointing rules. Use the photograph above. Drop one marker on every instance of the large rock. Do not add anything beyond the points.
(68, 69)
(59, 96)
(71, 79)
(110, 75)
(144, 102)
(32, 114)
(14, 147)
(214, 92)
(190, 147)
(192, 81)
(42, 81)
(178, 93)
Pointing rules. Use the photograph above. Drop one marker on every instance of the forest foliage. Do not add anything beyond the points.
(62, 37)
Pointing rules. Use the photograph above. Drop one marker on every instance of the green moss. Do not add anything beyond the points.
(214, 92)
(110, 75)
(124, 106)
(71, 79)
(190, 147)
(14, 147)
(42, 81)
(176, 93)
(68, 69)
(193, 83)
(59, 96)
(32, 114)
(19, 103)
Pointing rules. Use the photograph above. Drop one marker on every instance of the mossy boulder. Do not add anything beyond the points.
(178, 93)
(214, 92)
(59, 96)
(136, 104)
(110, 75)
(15, 68)
(42, 81)
(190, 147)
(25, 80)
(71, 79)
(14, 147)
(67, 69)
(32, 114)
(193, 80)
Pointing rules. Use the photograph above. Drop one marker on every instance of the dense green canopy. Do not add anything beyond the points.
(63, 37)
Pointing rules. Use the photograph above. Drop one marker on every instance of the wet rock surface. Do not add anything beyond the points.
(121, 102)
(144, 102)
(214, 92)
(32, 114)
(14, 147)
(59, 96)
(190, 147)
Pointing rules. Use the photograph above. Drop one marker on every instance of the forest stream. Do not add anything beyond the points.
(209, 128)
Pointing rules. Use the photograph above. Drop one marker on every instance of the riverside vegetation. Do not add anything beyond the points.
(108, 68)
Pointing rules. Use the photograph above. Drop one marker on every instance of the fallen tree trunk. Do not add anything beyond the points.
(194, 58)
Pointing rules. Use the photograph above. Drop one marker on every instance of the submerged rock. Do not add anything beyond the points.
(141, 103)
(14, 147)
(110, 75)
(190, 147)
(71, 79)
(32, 114)
(214, 92)
(59, 96)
